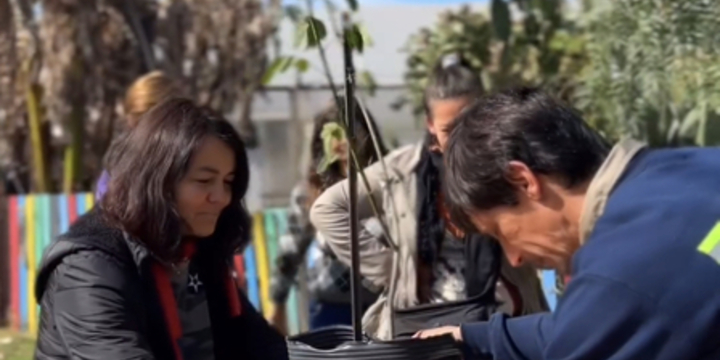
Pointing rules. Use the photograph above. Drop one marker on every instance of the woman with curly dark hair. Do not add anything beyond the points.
(147, 273)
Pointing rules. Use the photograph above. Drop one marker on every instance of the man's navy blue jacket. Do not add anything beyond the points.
(646, 285)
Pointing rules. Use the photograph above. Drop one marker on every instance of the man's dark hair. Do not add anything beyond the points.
(146, 164)
(452, 78)
(524, 125)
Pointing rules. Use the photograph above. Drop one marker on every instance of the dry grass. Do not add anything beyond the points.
(14, 346)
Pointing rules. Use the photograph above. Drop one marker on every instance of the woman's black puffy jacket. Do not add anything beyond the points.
(98, 302)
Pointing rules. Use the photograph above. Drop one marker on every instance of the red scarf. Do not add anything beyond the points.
(169, 305)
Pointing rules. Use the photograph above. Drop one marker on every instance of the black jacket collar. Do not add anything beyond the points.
(89, 232)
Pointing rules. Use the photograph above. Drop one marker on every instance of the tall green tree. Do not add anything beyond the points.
(519, 42)
(654, 70)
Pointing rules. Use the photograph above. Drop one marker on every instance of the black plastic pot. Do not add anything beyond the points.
(337, 343)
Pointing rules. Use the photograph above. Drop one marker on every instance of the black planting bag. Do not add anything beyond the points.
(337, 343)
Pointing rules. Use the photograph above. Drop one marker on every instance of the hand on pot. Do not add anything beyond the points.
(445, 330)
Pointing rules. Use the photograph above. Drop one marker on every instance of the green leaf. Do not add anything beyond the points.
(279, 65)
(309, 33)
(353, 4)
(501, 19)
(331, 133)
(365, 34)
(354, 38)
(367, 80)
(316, 31)
(302, 65)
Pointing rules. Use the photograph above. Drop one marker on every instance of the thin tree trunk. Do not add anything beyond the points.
(73, 161)
(41, 175)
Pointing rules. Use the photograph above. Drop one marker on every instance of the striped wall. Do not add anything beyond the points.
(35, 220)
(259, 257)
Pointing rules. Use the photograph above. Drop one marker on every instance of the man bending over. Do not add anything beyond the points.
(637, 229)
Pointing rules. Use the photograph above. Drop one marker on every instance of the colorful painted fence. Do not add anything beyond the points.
(35, 220)
(268, 227)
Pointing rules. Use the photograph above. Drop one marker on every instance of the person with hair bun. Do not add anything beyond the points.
(144, 93)
(147, 273)
(436, 264)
